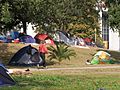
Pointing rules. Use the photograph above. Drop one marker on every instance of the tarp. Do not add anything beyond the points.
(41, 36)
(64, 38)
(3, 38)
(27, 39)
(45, 37)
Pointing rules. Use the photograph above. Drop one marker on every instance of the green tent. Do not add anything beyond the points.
(95, 60)
(102, 57)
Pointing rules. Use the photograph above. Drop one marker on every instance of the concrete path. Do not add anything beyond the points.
(75, 68)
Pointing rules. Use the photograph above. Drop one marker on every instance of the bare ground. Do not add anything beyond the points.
(93, 69)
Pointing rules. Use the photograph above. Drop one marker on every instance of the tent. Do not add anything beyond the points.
(26, 56)
(3, 38)
(64, 37)
(102, 57)
(40, 37)
(14, 34)
(5, 78)
(27, 39)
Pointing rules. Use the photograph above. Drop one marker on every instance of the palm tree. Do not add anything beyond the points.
(60, 52)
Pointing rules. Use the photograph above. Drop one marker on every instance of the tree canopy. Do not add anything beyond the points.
(48, 14)
(114, 15)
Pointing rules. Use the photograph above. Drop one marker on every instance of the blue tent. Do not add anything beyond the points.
(5, 78)
(27, 39)
(14, 34)
(3, 38)
(26, 56)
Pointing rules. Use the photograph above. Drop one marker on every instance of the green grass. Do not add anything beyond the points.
(8, 50)
(65, 82)
(86, 79)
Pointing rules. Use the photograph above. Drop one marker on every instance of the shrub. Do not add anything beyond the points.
(60, 52)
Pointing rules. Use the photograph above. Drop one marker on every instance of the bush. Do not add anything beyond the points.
(60, 52)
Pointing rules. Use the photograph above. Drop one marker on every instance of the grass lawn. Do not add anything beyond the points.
(82, 79)
(65, 81)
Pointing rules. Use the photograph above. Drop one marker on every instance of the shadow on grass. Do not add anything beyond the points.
(5, 54)
(7, 51)
(37, 81)
(49, 63)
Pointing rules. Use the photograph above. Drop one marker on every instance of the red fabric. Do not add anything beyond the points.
(52, 42)
(16, 41)
(43, 48)
(41, 36)
(87, 39)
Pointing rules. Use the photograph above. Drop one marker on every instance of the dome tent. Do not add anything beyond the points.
(5, 78)
(102, 57)
(26, 56)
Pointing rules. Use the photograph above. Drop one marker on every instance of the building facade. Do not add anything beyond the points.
(110, 37)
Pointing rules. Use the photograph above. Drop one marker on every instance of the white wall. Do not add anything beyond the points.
(114, 42)
(30, 30)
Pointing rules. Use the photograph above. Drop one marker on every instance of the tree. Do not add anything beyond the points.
(61, 13)
(114, 16)
(51, 14)
(5, 15)
(20, 11)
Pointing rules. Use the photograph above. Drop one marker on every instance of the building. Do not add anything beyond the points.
(110, 38)
(114, 40)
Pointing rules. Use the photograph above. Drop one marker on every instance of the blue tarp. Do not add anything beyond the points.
(5, 79)
(27, 39)
(14, 35)
(3, 38)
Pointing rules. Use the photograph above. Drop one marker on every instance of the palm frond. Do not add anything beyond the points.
(60, 52)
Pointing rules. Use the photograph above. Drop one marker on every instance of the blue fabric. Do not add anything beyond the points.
(3, 38)
(12, 35)
(19, 54)
(5, 79)
(3, 66)
(27, 39)
(26, 56)
(16, 34)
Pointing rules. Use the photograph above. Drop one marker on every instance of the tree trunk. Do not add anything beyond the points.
(119, 39)
(24, 27)
(119, 43)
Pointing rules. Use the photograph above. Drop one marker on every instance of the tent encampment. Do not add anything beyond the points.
(102, 57)
(5, 78)
(26, 56)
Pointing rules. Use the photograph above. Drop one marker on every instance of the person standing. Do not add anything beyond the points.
(43, 50)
